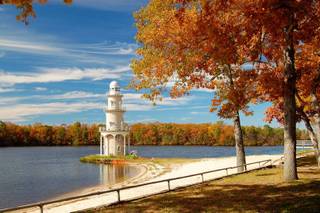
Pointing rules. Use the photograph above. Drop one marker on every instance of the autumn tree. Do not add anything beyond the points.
(284, 24)
(26, 7)
(195, 44)
(303, 114)
(307, 93)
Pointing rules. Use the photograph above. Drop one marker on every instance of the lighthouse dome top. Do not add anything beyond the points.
(114, 88)
(114, 84)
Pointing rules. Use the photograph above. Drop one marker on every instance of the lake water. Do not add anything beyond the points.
(32, 174)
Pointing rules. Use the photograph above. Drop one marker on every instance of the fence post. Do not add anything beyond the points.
(227, 171)
(259, 165)
(118, 192)
(41, 208)
(202, 177)
(169, 185)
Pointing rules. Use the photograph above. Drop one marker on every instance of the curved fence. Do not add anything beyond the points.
(133, 192)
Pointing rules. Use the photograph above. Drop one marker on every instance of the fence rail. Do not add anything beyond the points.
(201, 175)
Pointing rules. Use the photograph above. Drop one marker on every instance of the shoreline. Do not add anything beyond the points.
(146, 171)
(154, 172)
(150, 172)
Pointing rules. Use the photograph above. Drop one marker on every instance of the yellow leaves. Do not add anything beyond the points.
(26, 7)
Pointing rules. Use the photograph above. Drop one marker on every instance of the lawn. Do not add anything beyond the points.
(258, 191)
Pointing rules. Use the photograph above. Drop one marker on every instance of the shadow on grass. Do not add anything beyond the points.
(262, 191)
(266, 174)
(261, 198)
(306, 161)
(315, 172)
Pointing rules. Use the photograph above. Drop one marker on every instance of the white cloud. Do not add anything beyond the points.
(5, 101)
(104, 48)
(40, 89)
(45, 75)
(166, 101)
(133, 97)
(145, 120)
(199, 113)
(7, 89)
(71, 50)
(138, 107)
(23, 112)
(203, 90)
(11, 108)
(195, 113)
(184, 107)
(11, 111)
(186, 118)
(75, 95)
(27, 46)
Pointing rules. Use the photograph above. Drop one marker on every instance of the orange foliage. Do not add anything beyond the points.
(216, 134)
(194, 44)
(26, 7)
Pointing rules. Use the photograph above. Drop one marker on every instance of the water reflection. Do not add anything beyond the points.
(111, 174)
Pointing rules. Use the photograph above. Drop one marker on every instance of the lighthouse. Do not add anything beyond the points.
(114, 136)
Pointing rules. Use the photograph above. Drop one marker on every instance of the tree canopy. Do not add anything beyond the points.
(190, 44)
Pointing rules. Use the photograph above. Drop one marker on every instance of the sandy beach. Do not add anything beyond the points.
(154, 172)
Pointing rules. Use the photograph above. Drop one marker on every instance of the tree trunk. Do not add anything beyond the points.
(238, 136)
(290, 164)
(316, 107)
(313, 138)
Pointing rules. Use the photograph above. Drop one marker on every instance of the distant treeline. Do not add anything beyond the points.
(217, 134)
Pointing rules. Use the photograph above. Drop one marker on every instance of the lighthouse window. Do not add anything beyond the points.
(118, 89)
(118, 148)
(112, 103)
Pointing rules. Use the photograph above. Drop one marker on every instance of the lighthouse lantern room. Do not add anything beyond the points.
(114, 136)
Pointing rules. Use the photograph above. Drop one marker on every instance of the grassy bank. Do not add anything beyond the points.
(100, 159)
(258, 191)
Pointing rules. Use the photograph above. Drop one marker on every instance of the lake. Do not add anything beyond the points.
(32, 174)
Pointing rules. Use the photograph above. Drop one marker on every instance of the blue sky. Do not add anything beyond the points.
(57, 69)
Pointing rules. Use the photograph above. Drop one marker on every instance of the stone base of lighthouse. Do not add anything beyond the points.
(114, 143)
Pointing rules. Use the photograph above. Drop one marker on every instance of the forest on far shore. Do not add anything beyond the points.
(77, 134)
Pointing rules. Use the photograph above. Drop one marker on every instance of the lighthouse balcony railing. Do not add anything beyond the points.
(117, 130)
(114, 128)
(115, 108)
(114, 95)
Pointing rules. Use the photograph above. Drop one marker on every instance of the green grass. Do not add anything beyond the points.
(106, 159)
(307, 151)
(258, 191)
(101, 159)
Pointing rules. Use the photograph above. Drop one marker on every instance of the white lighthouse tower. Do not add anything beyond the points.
(114, 137)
